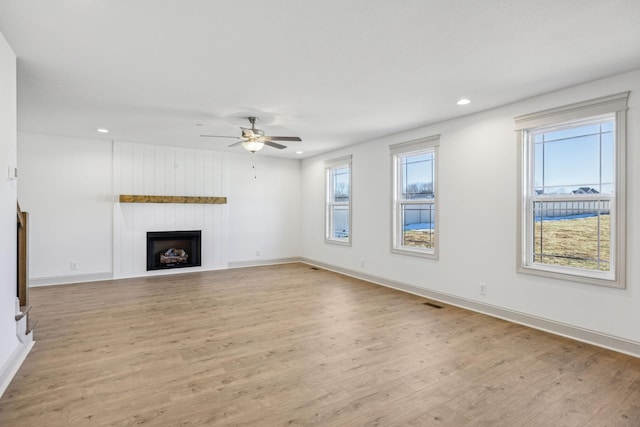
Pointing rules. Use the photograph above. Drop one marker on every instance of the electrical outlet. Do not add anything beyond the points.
(257, 253)
(73, 265)
(362, 264)
(12, 172)
(483, 288)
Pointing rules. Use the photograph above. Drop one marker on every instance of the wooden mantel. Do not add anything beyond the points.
(128, 198)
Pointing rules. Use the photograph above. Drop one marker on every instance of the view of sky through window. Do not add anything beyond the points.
(575, 159)
(417, 177)
(341, 184)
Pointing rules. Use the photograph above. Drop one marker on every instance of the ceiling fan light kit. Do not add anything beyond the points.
(252, 146)
(254, 139)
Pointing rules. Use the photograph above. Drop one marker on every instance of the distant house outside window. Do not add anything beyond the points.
(415, 208)
(572, 210)
(338, 201)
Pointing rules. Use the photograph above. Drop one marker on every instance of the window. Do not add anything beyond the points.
(338, 201)
(415, 208)
(572, 210)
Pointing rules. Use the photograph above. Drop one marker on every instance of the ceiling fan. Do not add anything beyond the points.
(254, 139)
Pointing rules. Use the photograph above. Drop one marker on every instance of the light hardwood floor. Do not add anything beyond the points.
(290, 345)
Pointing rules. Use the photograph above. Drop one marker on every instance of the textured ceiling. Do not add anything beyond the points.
(335, 73)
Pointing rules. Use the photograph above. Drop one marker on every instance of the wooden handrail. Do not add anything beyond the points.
(21, 244)
(23, 312)
(21, 219)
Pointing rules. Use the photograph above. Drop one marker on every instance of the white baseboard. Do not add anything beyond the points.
(96, 277)
(10, 368)
(65, 280)
(256, 263)
(621, 345)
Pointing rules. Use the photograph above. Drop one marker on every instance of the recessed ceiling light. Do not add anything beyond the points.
(298, 152)
(463, 101)
(102, 130)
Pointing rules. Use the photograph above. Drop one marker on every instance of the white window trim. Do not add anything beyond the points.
(329, 165)
(404, 148)
(613, 104)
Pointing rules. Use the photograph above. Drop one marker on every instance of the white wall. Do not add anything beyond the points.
(478, 172)
(264, 208)
(74, 183)
(65, 185)
(8, 193)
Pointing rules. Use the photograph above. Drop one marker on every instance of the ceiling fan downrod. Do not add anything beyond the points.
(252, 120)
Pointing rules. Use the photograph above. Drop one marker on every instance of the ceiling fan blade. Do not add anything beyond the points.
(236, 143)
(220, 136)
(274, 145)
(282, 138)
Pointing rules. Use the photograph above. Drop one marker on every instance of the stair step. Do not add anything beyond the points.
(31, 326)
(24, 310)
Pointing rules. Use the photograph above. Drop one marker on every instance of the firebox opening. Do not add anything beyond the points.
(173, 249)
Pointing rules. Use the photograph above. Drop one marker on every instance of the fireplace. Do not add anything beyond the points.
(173, 249)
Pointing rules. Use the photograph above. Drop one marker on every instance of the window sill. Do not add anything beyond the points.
(338, 242)
(592, 279)
(433, 254)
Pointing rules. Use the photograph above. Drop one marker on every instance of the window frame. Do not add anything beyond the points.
(330, 203)
(615, 106)
(429, 144)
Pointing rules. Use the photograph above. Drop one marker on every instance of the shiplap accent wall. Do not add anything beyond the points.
(165, 171)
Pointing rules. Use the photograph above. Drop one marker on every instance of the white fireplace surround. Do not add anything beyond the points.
(157, 170)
